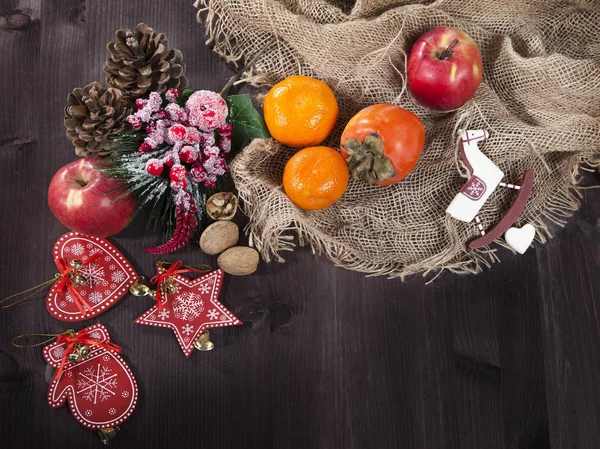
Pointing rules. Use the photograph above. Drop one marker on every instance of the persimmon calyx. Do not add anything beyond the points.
(367, 161)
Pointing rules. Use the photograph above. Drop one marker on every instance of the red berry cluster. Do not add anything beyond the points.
(191, 141)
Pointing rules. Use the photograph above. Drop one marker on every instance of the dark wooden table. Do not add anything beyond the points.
(327, 358)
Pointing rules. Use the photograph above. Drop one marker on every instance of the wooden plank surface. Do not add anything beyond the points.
(327, 358)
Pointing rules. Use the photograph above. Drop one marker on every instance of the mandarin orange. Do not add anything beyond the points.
(315, 178)
(300, 111)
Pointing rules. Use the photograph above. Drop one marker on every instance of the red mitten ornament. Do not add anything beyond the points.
(94, 276)
(189, 307)
(90, 373)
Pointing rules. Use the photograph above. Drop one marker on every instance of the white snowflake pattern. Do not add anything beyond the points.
(88, 413)
(476, 189)
(188, 306)
(112, 411)
(188, 329)
(95, 251)
(89, 246)
(63, 304)
(113, 286)
(93, 274)
(164, 314)
(66, 249)
(77, 249)
(58, 352)
(125, 394)
(204, 289)
(96, 384)
(117, 277)
(95, 297)
(107, 293)
(224, 317)
(213, 314)
(186, 339)
(96, 335)
(106, 357)
(112, 267)
(107, 258)
(68, 297)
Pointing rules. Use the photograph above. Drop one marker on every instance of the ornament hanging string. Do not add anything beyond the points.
(64, 281)
(36, 291)
(174, 268)
(35, 345)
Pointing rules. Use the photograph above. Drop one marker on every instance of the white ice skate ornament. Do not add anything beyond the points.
(485, 177)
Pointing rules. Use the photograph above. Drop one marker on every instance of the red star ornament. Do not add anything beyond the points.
(192, 309)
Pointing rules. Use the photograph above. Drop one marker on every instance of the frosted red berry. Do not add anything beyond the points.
(172, 94)
(188, 154)
(179, 185)
(144, 147)
(177, 173)
(154, 167)
(177, 133)
(193, 136)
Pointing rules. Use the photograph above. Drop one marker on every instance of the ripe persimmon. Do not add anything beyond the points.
(382, 144)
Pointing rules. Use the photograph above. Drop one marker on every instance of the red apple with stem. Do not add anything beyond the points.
(84, 199)
(444, 69)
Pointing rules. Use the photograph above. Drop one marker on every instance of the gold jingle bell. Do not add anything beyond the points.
(203, 343)
(76, 263)
(74, 357)
(84, 350)
(78, 279)
(106, 435)
(170, 288)
(140, 290)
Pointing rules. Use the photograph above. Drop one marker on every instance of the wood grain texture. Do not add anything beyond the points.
(327, 358)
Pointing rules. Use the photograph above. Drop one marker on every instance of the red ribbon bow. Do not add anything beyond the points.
(161, 277)
(83, 337)
(65, 281)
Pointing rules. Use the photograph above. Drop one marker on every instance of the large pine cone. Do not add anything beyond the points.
(93, 114)
(141, 62)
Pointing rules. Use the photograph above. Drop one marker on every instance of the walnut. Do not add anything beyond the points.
(222, 206)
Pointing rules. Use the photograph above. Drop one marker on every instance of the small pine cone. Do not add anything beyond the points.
(141, 62)
(93, 114)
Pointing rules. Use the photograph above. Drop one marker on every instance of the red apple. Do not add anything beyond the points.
(444, 69)
(85, 200)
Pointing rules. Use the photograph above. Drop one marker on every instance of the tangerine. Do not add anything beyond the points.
(315, 178)
(300, 111)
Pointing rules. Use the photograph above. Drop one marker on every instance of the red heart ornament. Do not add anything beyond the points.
(108, 277)
(101, 389)
(194, 308)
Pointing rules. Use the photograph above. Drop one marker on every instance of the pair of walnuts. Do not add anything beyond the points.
(221, 237)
